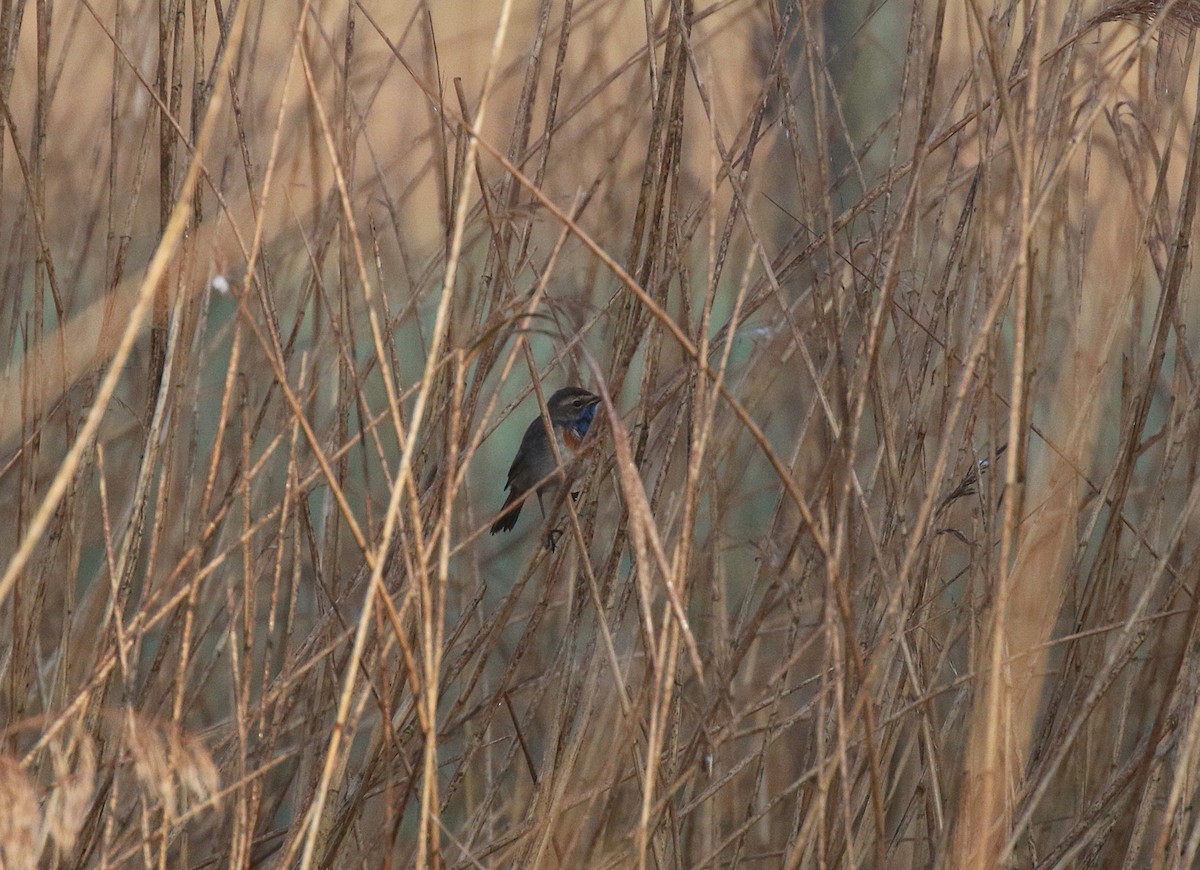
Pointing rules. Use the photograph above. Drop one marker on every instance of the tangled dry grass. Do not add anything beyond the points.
(884, 552)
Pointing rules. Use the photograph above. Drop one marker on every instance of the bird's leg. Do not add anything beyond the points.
(553, 535)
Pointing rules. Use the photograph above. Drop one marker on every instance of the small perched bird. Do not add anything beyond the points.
(572, 410)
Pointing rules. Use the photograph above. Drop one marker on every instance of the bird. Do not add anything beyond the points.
(572, 410)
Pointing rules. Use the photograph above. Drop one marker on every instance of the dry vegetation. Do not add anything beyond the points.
(884, 555)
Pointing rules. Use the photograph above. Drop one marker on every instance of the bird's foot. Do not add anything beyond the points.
(552, 537)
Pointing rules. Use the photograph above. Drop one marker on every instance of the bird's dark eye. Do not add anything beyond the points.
(577, 402)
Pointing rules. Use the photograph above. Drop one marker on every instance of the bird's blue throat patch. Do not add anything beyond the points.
(586, 416)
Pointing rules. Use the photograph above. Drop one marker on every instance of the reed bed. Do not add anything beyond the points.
(885, 546)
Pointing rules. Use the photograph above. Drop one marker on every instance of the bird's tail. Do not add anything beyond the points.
(508, 518)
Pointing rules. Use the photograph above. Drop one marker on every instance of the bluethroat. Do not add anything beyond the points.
(572, 410)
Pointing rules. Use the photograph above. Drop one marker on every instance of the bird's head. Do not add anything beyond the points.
(573, 407)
